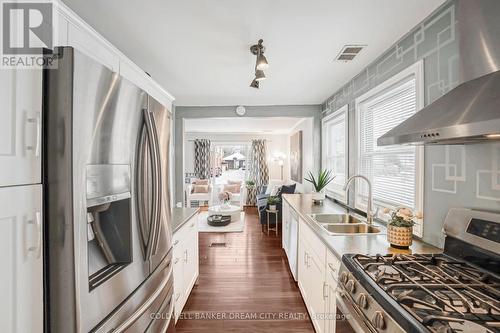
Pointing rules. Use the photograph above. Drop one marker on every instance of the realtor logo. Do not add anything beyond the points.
(27, 28)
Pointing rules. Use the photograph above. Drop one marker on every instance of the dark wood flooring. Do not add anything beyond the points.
(245, 286)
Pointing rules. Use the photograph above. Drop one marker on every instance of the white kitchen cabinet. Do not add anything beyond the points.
(311, 275)
(20, 126)
(21, 283)
(332, 274)
(186, 263)
(87, 42)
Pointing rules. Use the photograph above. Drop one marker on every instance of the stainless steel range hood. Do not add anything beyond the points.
(471, 111)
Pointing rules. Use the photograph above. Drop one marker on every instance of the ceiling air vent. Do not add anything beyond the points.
(349, 52)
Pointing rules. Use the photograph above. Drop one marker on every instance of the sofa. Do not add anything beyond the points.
(273, 188)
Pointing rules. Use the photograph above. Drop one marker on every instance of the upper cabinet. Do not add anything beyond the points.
(73, 31)
(85, 41)
(20, 126)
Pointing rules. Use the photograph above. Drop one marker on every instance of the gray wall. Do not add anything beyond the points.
(455, 176)
(186, 112)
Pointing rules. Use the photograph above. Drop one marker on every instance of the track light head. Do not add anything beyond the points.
(254, 84)
(261, 62)
(259, 75)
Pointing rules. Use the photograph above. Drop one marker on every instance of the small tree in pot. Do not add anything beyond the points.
(272, 201)
(400, 227)
(251, 192)
(324, 178)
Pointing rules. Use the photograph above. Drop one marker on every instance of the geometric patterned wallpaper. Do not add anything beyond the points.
(455, 176)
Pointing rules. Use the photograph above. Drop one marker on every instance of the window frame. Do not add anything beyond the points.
(417, 71)
(336, 193)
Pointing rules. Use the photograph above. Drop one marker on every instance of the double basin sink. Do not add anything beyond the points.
(344, 224)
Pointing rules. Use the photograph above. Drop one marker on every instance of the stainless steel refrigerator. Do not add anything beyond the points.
(108, 258)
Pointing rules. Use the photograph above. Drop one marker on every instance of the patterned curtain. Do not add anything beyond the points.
(259, 171)
(202, 158)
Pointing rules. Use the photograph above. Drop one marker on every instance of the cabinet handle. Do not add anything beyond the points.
(38, 224)
(185, 256)
(305, 258)
(176, 242)
(192, 225)
(333, 272)
(176, 261)
(325, 290)
(177, 296)
(38, 125)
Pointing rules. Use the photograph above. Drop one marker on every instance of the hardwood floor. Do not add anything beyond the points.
(245, 286)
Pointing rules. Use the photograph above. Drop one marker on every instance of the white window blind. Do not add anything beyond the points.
(335, 141)
(395, 171)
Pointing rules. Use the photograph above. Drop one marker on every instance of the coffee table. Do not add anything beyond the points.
(233, 211)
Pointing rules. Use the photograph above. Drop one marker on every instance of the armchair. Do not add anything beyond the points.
(198, 197)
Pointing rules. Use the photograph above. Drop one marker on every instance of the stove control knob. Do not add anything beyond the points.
(363, 301)
(343, 277)
(351, 286)
(378, 320)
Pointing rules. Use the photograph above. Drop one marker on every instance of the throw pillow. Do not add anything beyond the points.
(201, 182)
(200, 189)
(286, 189)
(234, 182)
(232, 188)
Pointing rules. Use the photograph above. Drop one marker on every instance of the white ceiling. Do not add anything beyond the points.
(268, 125)
(199, 49)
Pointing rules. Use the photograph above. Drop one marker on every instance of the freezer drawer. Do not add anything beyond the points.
(148, 308)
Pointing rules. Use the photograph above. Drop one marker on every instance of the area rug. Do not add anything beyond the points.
(237, 226)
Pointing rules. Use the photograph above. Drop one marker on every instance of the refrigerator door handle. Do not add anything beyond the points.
(142, 190)
(151, 132)
(156, 147)
(143, 308)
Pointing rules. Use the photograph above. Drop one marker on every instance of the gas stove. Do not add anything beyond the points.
(457, 291)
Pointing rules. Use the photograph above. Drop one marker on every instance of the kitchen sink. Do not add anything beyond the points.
(335, 218)
(361, 228)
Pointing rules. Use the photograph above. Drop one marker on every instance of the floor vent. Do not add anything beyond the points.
(349, 52)
(217, 245)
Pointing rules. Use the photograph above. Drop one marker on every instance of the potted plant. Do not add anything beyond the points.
(272, 201)
(225, 199)
(324, 178)
(249, 183)
(400, 227)
(251, 192)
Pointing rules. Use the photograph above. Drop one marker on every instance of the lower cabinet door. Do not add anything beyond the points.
(316, 293)
(190, 264)
(178, 296)
(302, 269)
(331, 303)
(21, 282)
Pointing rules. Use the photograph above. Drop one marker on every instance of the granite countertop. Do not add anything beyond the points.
(342, 244)
(181, 216)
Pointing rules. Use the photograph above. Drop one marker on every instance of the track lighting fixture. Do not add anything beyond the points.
(260, 64)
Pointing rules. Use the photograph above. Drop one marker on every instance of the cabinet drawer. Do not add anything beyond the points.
(316, 246)
(187, 231)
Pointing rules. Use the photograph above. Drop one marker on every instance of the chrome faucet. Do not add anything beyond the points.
(369, 212)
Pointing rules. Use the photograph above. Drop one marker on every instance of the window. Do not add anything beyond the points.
(396, 172)
(335, 143)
